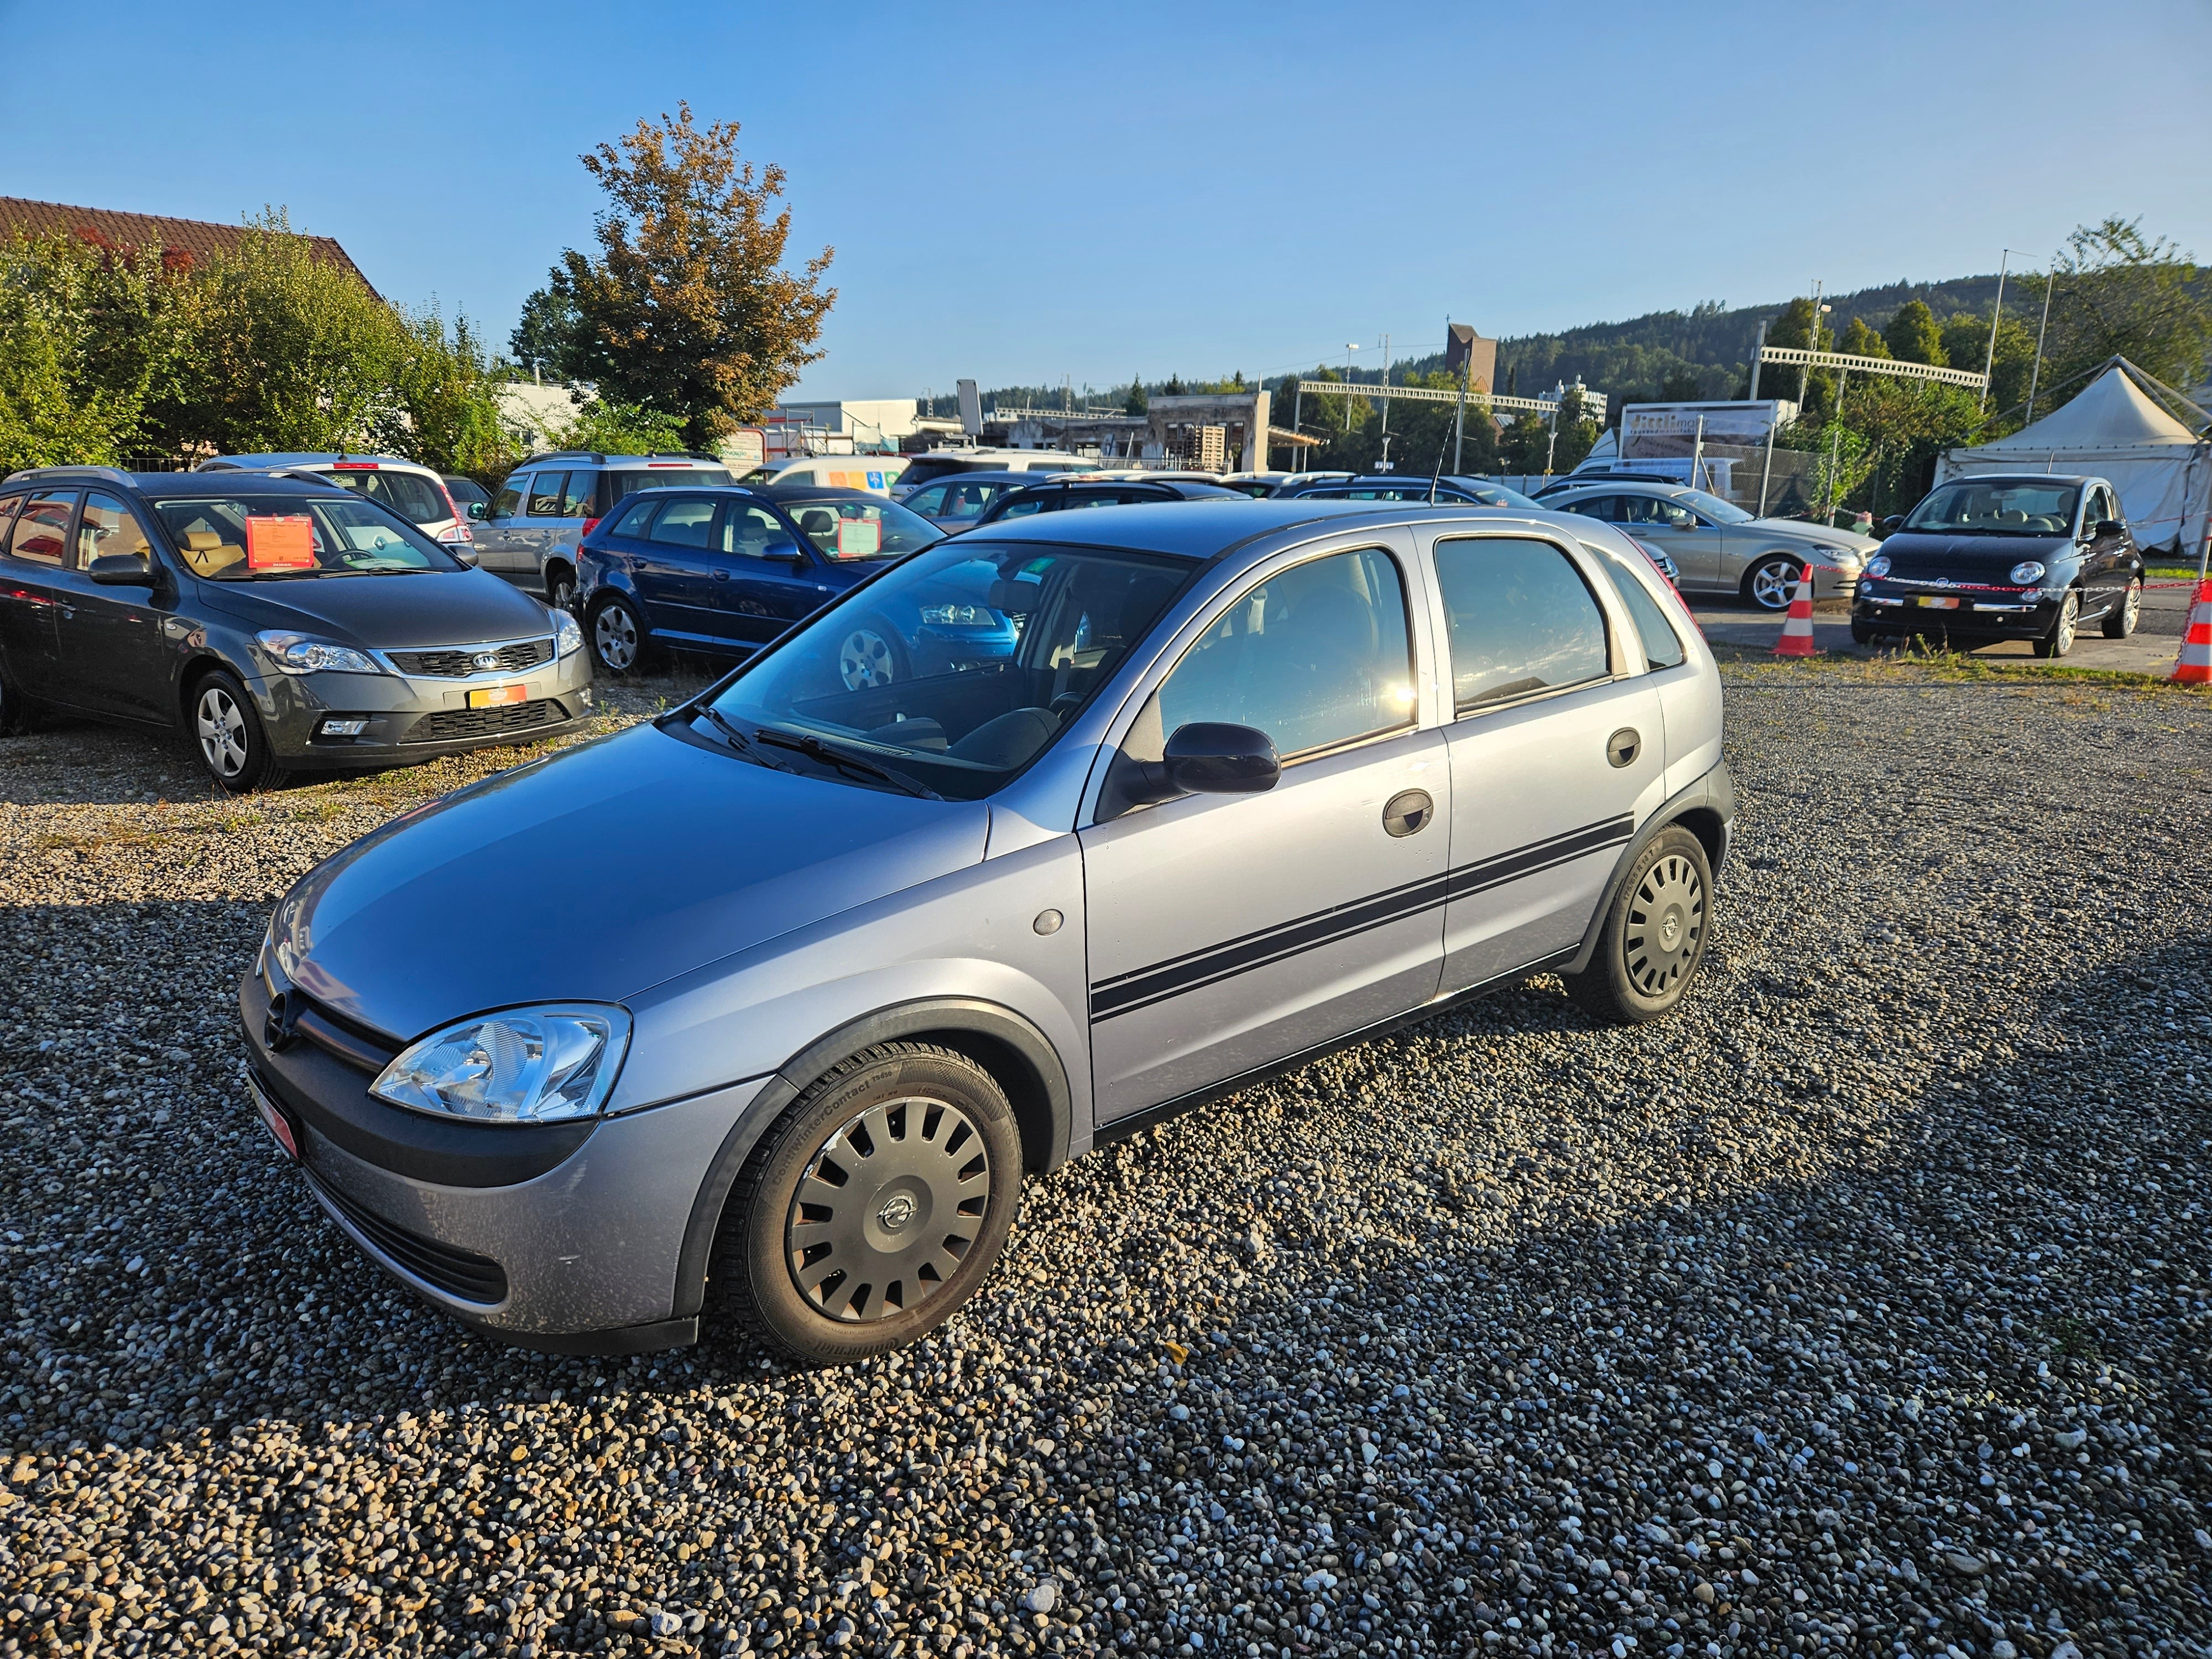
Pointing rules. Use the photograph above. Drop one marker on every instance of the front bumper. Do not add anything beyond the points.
(561, 1238)
(410, 717)
(1985, 613)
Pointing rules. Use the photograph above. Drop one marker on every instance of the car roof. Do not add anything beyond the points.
(1192, 530)
(2026, 477)
(213, 486)
(980, 476)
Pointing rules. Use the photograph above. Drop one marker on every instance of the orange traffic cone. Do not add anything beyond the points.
(1796, 639)
(2194, 665)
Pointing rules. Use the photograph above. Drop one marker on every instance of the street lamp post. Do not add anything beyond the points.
(1996, 312)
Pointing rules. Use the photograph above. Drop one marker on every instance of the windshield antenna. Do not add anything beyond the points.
(1437, 474)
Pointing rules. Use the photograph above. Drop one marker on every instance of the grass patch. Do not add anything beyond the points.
(2170, 572)
(2073, 1337)
(1748, 665)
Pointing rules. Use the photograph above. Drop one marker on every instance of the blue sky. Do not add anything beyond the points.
(1020, 193)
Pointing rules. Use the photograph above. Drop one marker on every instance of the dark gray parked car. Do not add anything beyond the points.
(1258, 779)
(280, 623)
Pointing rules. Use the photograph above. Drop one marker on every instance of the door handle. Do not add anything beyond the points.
(721, 576)
(1407, 812)
(1622, 748)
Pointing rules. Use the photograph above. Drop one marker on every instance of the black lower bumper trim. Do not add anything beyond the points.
(459, 1273)
(621, 1340)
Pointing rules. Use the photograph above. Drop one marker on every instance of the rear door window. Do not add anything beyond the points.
(546, 498)
(576, 498)
(40, 533)
(1521, 620)
(410, 494)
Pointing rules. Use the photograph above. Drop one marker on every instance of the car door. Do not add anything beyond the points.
(763, 578)
(500, 535)
(109, 640)
(546, 515)
(2105, 566)
(1557, 750)
(673, 568)
(1695, 545)
(30, 583)
(1230, 930)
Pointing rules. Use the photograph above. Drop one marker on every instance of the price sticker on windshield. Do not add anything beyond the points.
(280, 541)
(860, 538)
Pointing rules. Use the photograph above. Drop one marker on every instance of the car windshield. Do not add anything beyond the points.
(410, 494)
(953, 672)
(465, 491)
(1712, 507)
(849, 530)
(272, 537)
(1984, 507)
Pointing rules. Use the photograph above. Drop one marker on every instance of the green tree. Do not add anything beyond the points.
(449, 391)
(687, 307)
(2118, 292)
(615, 429)
(550, 338)
(1912, 335)
(1577, 432)
(1136, 403)
(87, 336)
(1967, 343)
(1526, 445)
(1860, 341)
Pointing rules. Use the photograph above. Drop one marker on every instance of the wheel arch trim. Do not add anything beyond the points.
(1705, 807)
(1018, 1056)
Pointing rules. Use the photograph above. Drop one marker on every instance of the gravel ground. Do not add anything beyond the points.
(1860, 1308)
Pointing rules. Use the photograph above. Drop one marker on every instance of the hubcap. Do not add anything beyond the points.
(1774, 583)
(562, 593)
(863, 660)
(222, 732)
(2131, 607)
(2067, 614)
(888, 1209)
(1666, 920)
(615, 635)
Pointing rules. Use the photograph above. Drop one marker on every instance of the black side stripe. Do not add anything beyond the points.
(1141, 987)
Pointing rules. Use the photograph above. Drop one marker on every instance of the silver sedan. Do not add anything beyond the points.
(1718, 548)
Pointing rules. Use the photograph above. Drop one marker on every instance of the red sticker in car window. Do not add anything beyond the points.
(280, 541)
(858, 538)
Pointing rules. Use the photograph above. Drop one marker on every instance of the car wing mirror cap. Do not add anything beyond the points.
(2111, 527)
(120, 570)
(1894, 521)
(1214, 757)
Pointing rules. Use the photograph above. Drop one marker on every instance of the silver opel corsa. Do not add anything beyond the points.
(1260, 779)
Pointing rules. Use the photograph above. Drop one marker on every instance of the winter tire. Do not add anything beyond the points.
(1654, 936)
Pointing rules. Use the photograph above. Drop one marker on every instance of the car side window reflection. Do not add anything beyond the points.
(753, 534)
(39, 531)
(1520, 618)
(1315, 656)
(106, 529)
(1663, 646)
(546, 497)
(685, 524)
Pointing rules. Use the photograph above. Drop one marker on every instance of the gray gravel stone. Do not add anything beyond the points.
(1861, 1308)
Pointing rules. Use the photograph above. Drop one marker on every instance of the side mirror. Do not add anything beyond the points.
(120, 570)
(479, 509)
(1894, 521)
(2110, 527)
(1210, 757)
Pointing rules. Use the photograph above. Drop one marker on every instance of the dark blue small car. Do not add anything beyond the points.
(727, 570)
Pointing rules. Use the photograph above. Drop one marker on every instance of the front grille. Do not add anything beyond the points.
(449, 724)
(459, 662)
(459, 1273)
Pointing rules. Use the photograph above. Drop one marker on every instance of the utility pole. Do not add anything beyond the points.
(1758, 351)
(1459, 420)
(1386, 403)
(1348, 349)
(1805, 375)
(2035, 374)
(1990, 357)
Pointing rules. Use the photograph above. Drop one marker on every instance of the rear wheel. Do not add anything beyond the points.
(1772, 582)
(875, 1206)
(2120, 621)
(559, 586)
(618, 635)
(1654, 936)
(2060, 640)
(227, 734)
(18, 713)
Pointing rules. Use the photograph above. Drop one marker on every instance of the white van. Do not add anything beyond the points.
(937, 463)
(876, 473)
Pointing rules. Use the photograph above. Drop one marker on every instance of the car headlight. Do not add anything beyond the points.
(1877, 566)
(302, 653)
(2028, 572)
(959, 616)
(544, 1065)
(568, 634)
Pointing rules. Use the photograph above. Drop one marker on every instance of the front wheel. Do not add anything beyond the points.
(1654, 936)
(1864, 633)
(2120, 621)
(1772, 582)
(228, 732)
(875, 1206)
(2060, 640)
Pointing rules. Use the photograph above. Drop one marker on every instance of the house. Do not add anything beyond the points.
(183, 243)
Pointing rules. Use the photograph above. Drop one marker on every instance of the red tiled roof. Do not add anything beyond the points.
(183, 242)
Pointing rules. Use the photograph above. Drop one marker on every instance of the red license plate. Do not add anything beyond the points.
(279, 1124)
(494, 695)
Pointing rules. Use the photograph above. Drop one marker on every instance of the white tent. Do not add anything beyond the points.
(2114, 429)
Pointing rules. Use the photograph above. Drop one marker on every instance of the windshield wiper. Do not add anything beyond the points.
(815, 748)
(742, 741)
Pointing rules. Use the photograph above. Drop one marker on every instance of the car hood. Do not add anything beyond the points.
(1798, 530)
(1918, 555)
(596, 873)
(387, 613)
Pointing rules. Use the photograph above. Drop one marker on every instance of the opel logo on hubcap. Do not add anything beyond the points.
(896, 1212)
